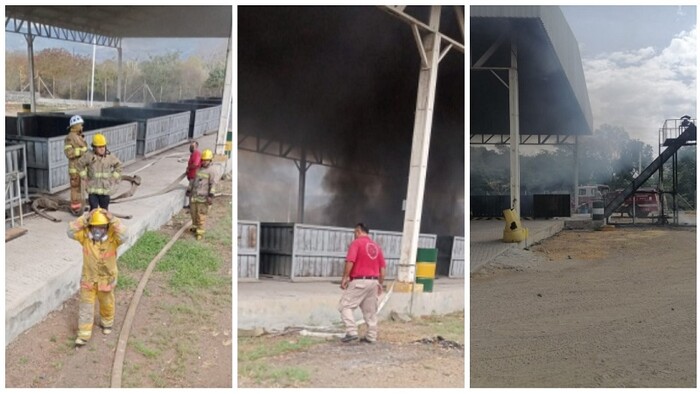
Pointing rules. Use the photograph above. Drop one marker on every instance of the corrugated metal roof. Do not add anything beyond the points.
(561, 41)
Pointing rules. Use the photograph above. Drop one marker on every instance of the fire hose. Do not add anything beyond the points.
(120, 352)
(127, 196)
(53, 203)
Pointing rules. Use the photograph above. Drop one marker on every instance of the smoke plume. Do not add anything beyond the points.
(343, 80)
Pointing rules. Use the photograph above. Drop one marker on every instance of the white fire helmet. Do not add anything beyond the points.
(74, 120)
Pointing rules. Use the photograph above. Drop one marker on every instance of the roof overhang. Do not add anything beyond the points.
(553, 95)
(131, 21)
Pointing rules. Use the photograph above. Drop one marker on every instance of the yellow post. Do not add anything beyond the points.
(514, 231)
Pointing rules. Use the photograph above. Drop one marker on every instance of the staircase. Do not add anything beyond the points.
(672, 144)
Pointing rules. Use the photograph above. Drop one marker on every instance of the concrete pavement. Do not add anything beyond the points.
(485, 238)
(42, 268)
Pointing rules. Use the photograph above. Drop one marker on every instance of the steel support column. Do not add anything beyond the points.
(30, 50)
(120, 72)
(576, 171)
(514, 106)
(302, 166)
(420, 148)
(226, 103)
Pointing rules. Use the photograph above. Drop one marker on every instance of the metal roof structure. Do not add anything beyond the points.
(108, 24)
(553, 98)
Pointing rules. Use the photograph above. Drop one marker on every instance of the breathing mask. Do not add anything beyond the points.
(98, 234)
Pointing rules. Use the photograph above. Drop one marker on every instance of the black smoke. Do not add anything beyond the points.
(344, 80)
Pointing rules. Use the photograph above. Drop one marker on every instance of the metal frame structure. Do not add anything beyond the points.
(429, 48)
(30, 30)
(38, 29)
(245, 250)
(525, 139)
(125, 21)
(670, 130)
(301, 155)
(15, 178)
(500, 52)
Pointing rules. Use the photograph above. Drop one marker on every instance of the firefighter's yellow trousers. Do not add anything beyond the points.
(199, 211)
(88, 293)
(76, 194)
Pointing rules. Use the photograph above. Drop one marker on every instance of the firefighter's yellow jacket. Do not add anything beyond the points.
(74, 148)
(101, 172)
(99, 258)
(203, 184)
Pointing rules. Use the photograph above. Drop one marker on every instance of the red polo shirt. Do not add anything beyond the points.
(193, 164)
(366, 256)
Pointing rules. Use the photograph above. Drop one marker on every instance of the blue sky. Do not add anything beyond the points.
(640, 64)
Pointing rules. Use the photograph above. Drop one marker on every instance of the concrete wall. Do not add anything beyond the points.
(291, 304)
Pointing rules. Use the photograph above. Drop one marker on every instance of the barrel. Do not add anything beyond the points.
(426, 262)
(598, 210)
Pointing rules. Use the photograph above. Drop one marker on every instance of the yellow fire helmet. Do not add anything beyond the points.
(98, 218)
(99, 140)
(207, 154)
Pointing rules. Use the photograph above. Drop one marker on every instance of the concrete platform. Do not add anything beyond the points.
(485, 238)
(276, 304)
(42, 268)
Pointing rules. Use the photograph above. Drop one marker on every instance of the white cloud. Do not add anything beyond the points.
(639, 89)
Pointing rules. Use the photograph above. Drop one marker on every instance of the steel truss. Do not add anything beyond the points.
(525, 139)
(21, 26)
(303, 156)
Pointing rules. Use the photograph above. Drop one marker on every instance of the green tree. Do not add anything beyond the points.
(106, 80)
(161, 74)
(214, 84)
(66, 74)
(192, 74)
(16, 75)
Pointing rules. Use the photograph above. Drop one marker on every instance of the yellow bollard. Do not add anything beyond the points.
(514, 231)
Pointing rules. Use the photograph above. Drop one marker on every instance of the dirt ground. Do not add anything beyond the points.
(177, 339)
(588, 309)
(396, 360)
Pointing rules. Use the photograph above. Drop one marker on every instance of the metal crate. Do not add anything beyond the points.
(158, 129)
(390, 242)
(450, 256)
(44, 136)
(248, 249)
(310, 251)
(204, 118)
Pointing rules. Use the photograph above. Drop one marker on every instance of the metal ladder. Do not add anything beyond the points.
(689, 134)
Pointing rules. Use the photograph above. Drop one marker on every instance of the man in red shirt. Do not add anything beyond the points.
(193, 165)
(362, 283)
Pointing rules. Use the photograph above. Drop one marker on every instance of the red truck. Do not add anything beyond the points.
(646, 199)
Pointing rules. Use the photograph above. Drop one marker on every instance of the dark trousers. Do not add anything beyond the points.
(100, 200)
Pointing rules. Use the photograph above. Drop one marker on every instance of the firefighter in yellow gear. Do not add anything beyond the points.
(201, 193)
(74, 148)
(100, 170)
(100, 234)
